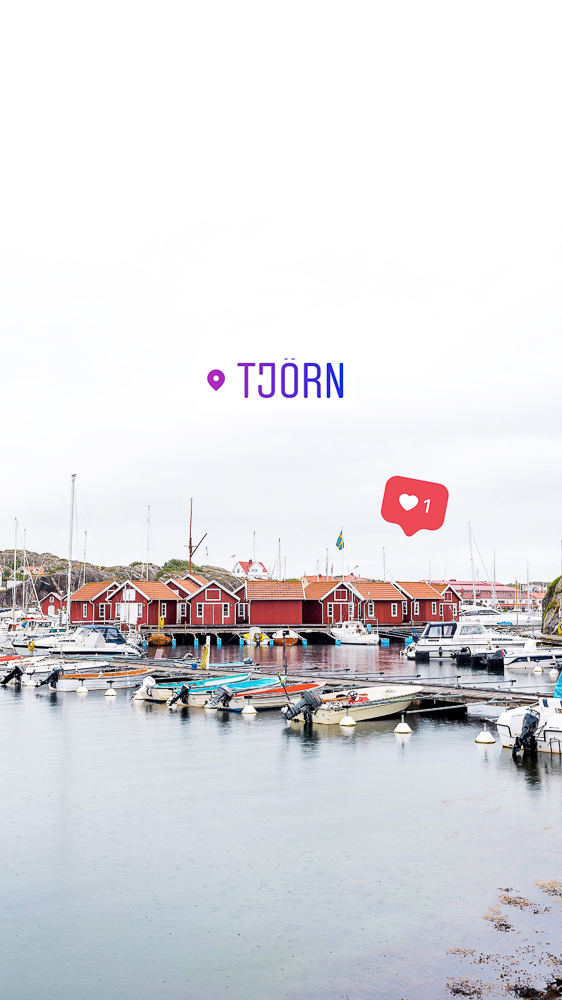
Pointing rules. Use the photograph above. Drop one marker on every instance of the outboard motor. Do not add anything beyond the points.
(220, 697)
(181, 695)
(308, 704)
(52, 678)
(527, 739)
(15, 673)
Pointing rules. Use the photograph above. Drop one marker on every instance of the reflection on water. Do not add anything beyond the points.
(148, 853)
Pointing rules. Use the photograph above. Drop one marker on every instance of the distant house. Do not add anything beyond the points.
(423, 602)
(251, 570)
(53, 603)
(270, 602)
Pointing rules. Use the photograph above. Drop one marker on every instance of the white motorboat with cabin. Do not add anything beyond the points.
(362, 704)
(533, 655)
(354, 633)
(86, 640)
(494, 616)
(439, 640)
(532, 728)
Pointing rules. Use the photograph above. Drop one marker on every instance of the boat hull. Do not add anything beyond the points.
(161, 692)
(549, 732)
(382, 703)
(270, 700)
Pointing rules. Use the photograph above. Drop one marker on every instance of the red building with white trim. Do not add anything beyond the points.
(270, 602)
(212, 604)
(90, 603)
(53, 603)
(423, 602)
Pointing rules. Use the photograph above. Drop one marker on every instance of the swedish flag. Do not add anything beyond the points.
(339, 542)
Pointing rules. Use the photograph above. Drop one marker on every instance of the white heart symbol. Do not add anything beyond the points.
(408, 502)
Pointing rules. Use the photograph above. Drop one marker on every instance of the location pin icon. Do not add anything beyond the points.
(215, 378)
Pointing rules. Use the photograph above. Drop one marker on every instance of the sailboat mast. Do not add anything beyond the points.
(472, 564)
(190, 528)
(147, 540)
(15, 560)
(70, 533)
(383, 564)
(279, 573)
(494, 583)
(85, 542)
(23, 573)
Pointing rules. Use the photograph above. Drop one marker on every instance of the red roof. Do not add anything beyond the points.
(246, 565)
(90, 591)
(154, 590)
(272, 590)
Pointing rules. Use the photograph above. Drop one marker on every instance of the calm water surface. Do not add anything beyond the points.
(155, 854)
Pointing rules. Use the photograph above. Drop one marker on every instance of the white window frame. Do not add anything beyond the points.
(101, 611)
(404, 609)
(440, 610)
(370, 609)
(183, 610)
(163, 610)
(139, 611)
(434, 607)
(394, 609)
(417, 608)
(225, 610)
(52, 599)
(454, 610)
(330, 611)
(350, 612)
(214, 589)
(198, 610)
(84, 611)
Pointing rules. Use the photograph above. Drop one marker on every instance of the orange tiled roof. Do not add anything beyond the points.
(273, 590)
(317, 590)
(187, 585)
(153, 589)
(90, 591)
(378, 591)
(418, 590)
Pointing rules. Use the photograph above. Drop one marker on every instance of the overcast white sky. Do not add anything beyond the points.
(184, 186)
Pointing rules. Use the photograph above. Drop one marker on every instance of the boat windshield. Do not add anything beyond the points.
(472, 629)
(109, 632)
(439, 631)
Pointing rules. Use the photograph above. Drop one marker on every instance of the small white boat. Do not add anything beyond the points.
(532, 728)
(495, 616)
(285, 637)
(354, 633)
(95, 677)
(531, 655)
(448, 638)
(362, 704)
(86, 640)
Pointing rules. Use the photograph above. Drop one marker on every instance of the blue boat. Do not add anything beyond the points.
(152, 691)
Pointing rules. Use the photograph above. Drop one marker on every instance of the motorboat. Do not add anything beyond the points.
(86, 640)
(354, 633)
(101, 675)
(498, 616)
(28, 631)
(162, 691)
(273, 697)
(532, 728)
(285, 637)
(439, 641)
(532, 655)
(362, 704)
(255, 637)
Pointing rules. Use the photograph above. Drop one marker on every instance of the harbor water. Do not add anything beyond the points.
(149, 853)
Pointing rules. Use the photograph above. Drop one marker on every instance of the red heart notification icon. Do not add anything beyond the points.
(414, 504)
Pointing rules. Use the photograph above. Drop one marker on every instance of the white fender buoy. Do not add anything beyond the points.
(537, 669)
(249, 710)
(402, 728)
(82, 689)
(485, 737)
(553, 673)
(110, 693)
(348, 721)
